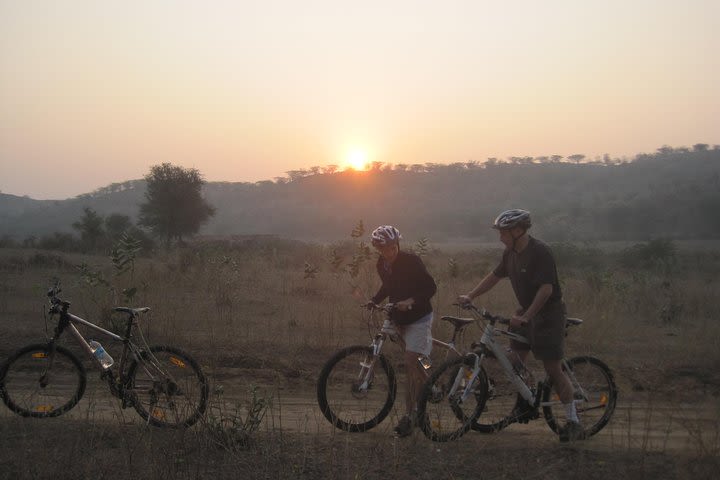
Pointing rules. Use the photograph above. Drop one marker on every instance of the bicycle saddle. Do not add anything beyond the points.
(457, 321)
(132, 311)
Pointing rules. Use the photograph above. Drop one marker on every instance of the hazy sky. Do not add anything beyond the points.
(94, 92)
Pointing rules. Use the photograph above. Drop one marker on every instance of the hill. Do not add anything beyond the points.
(674, 193)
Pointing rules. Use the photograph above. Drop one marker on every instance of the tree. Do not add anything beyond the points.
(117, 224)
(174, 204)
(90, 227)
(577, 158)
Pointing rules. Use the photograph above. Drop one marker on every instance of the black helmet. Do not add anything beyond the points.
(513, 218)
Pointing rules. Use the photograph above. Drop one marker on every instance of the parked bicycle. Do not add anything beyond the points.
(480, 389)
(357, 386)
(164, 384)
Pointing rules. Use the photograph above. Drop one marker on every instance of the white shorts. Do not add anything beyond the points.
(418, 335)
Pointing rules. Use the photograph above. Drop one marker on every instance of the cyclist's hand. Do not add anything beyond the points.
(517, 321)
(405, 305)
(368, 305)
(464, 299)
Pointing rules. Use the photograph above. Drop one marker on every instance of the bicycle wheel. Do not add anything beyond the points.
(167, 387)
(356, 390)
(31, 387)
(595, 395)
(443, 414)
(500, 401)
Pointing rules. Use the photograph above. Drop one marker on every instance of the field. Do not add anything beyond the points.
(262, 316)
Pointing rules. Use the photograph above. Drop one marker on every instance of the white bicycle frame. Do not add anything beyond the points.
(498, 350)
(388, 330)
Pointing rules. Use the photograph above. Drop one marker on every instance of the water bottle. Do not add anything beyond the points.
(103, 357)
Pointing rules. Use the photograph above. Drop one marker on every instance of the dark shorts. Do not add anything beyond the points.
(546, 332)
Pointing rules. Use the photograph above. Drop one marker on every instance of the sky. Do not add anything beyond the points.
(96, 92)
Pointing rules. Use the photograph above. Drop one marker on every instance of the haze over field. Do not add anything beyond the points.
(96, 92)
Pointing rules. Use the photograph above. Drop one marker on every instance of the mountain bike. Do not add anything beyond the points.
(164, 384)
(485, 390)
(357, 386)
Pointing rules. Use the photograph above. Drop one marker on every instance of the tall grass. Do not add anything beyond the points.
(250, 314)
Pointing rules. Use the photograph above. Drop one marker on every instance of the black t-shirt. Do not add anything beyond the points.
(528, 270)
(406, 277)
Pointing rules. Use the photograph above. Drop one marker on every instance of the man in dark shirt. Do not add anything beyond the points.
(529, 264)
(409, 286)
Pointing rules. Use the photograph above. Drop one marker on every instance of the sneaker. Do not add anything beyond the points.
(404, 427)
(572, 432)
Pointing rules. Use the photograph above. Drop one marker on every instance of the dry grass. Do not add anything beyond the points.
(250, 317)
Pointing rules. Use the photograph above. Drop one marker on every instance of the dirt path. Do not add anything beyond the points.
(636, 426)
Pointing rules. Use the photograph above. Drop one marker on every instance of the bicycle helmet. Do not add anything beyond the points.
(385, 235)
(513, 218)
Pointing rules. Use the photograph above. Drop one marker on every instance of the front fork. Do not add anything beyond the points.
(367, 366)
(45, 377)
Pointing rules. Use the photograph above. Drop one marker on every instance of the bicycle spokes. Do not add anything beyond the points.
(451, 400)
(167, 387)
(356, 389)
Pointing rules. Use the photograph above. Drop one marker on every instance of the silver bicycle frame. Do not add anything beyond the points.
(81, 340)
(488, 339)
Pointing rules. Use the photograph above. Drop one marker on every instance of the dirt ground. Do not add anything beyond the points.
(647, 438)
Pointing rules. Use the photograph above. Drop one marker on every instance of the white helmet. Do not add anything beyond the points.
(513, 218)
(385, 235)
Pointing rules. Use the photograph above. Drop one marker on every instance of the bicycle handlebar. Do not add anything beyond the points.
(55, 301)
(483, 313)
(387, 308)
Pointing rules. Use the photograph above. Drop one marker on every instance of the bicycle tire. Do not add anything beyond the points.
(441, 416)
(596, 407)
(21, 376)
(167, 387)
(500, 400)
(346, 404)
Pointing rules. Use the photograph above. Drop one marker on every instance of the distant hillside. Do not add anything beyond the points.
(674, 193)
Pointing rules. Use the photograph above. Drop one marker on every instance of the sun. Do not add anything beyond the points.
(357, 159)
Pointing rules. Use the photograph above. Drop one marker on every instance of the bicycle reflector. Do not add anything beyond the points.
(39, 355)
(177, 362)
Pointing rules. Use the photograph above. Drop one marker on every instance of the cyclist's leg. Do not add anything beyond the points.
(548, 343)
(547, 338)
(418, 343)
(518, 354)
(416, 378)
(560, 380)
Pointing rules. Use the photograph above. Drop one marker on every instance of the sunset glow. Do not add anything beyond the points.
(246, 91)
(357, 160)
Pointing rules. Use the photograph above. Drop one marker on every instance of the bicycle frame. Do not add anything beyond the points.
(489, 343)
(68, 321)
(361, 368)
(74, 319)
(488, 340)
(470, 386)
(164, 384)
(388, 330)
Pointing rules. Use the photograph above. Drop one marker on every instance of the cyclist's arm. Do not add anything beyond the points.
(381, 295)
(485, 285)
(542, 295)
